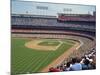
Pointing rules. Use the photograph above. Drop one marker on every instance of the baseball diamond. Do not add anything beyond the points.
(36, 51)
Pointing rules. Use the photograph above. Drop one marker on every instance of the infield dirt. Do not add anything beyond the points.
(34, 44)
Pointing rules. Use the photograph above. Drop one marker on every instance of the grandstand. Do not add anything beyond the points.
(76, 17)
(30, 21)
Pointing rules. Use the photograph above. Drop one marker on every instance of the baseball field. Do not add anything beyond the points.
(30, 55)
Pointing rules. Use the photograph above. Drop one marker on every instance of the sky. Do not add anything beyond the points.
(30, 7)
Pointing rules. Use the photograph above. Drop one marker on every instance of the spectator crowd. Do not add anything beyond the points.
(86, 62)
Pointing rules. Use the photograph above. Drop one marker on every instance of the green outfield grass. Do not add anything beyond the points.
(26, 60)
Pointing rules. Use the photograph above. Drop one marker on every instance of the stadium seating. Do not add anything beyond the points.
(86, 62)
(76, 18)
(31, 21)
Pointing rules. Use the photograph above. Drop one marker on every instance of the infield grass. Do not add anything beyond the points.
(49, 43)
